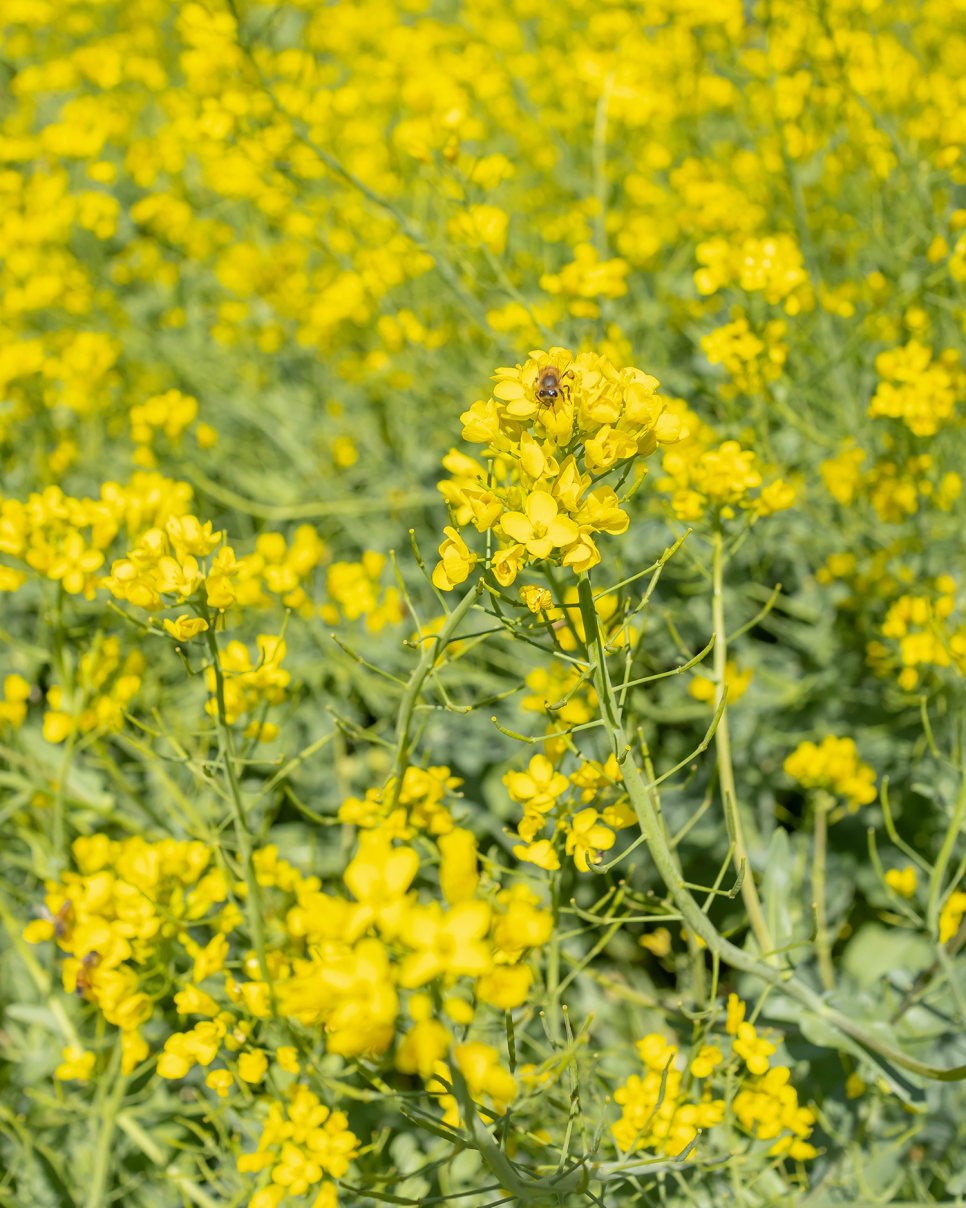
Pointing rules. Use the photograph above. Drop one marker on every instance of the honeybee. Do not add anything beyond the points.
(88, 962)
(59, 920)
(550, 385)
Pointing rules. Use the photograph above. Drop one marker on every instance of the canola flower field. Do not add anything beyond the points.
(483, 640)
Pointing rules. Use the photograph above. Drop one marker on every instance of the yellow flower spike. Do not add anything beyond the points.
(833, 765)
(903, 883)
(252, 1066)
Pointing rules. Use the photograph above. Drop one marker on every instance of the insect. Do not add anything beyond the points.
(550, 384)
(60, 919)
(88, 962)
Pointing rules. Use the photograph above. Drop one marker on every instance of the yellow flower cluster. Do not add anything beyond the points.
(301, 1140)
(668, 1125)
(833, 765)
(353, 587)
(700, 479)
(418, 804)
(587, 833)
(97, 704)
(766, 1104)
(543, 507)
(751, 360)
(48, 532)
(127, 899)
(894, 490)
(918, 623)
(916, 389)
(771, 264)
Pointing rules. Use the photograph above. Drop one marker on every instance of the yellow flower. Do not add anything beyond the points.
(540, 853)
(586, 839)
(506, 986)
(904, 882)
(75, 564)
(58, 726)
(541, 528)
(952, 915)
(658, 941)
(457, 561)
(536, 598)
(753, 1048)
(192, 1001)
(252, 1066)
(287, 1058)
(450, 943)
(379, 878)
(78, 1064)
(422, 1046)
(221, 1082)
(458, 875)
(16, 693)
(736, 684)
(736, 1013)
(708, 1057)
(185, 627)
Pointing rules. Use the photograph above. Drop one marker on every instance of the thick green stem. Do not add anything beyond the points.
(823, 945)
(726, 776)
(253, 898)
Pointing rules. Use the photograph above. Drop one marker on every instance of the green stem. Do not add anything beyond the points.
(726, 776)
(253, 899)
(939, 871)
(58, 838)
(102, 1154)
(418, 677)
(822, 942)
